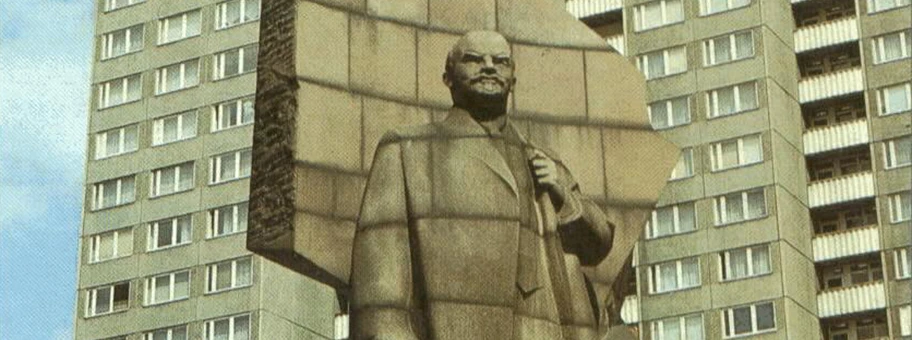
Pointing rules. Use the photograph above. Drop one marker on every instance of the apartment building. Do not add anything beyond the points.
(787, 216)
(162, 248)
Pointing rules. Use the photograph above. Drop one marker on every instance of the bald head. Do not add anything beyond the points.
(486, 42)
(479, 70)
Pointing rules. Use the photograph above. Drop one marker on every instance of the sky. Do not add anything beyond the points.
(45, 60)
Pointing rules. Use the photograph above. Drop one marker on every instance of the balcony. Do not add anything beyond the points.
(837, 136)
(826, 34)
(841, 189)
(630, 310)
(830, 85)
(850, 300)
(616, 42)
(587, 8)
(846, 243)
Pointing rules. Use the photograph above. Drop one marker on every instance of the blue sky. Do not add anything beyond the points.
(45, 58)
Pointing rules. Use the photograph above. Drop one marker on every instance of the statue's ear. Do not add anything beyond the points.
(446, 79)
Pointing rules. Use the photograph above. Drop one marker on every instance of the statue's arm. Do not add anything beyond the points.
(584, 229)
(381, 277)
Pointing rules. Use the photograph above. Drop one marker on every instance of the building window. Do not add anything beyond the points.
(229, 166)
(905, 320)
(170, 232)
(111, 245)
(119, 91)
(234, 62)
(748, 319)
(172, 333)
(708, 7)
(235, 12)
(658, 13)
(123, 41)
(116, 141)
(341, 326)
(663, 63)
(688, 327)
(891, 46)
(231, 328)
(227, 220)
(898, 152)
(736, 152)
(883, 5)
(228, 275)
(179, 26)
(894, 99)
(675, 219)
(684, 168)
(174, 128)
(177, 77)
(745, 262)
(669, 113)
(902, 259)
(171, 179)
(728, 48)
(167, 287)
(111, 5)
(232, 113)
(732, 99)
(739, 206)
(674, 275)
(113, 192)
(108, 299)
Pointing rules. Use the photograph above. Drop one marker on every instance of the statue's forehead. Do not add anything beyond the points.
(488, 43)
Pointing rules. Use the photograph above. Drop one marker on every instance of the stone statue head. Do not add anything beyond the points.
(479, 72)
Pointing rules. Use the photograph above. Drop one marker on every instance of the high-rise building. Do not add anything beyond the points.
(787, 216)
(163, 252)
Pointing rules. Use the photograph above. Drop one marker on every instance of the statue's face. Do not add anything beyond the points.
(481, 66)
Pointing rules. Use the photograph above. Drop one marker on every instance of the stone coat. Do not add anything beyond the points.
(455, 242)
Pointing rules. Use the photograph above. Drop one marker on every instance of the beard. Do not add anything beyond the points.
(485, 97)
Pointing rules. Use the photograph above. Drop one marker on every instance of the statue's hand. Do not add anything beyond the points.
(544, 171)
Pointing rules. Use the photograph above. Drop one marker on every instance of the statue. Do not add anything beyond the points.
(467, 229)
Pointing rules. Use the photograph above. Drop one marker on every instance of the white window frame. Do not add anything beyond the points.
(149, 298)
(111, 5)
(180, 18)
(643, 63)
(704, 7)
(872, 7)
(889, 149)
(212, 275)
(107, 42)
(215, 166)
(209, 326)
(219, 62)
(98, 193)
(155, 179)
(725, 265)
(669, 112)
(712, 100)
(901, 263)
(172, 331)
(640, 15)
(685, 153)
(709, 49)
(655, 276)
(728, 319)
(221, 14)
(91, 302)
(879, 50)
(716, 156)
(116, 252)
(215, 217)
(658, 327)
(905, 320)
(173, 223)
(341, 326)
(158, 127)
(218, 110)
(161, 77)
(104, 91)
(720, 205)
(652, 224)
(101, 142)
(881, 101)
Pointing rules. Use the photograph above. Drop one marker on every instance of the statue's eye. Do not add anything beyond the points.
(502, 60)
(472, 58)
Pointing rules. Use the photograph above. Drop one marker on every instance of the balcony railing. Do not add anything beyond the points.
(841, 189)
(587, 8)
(826, 34)
(617, 42)
(836, 136)
(850, 300)
(847, 243)
(630, 310)
(831, 84)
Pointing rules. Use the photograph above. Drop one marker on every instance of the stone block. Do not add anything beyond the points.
(637, 163)
(381, 116)
(580, 148)
(521, 20)
(433, 48)
(354, 5)
(313, 190)
(383, 267)
(550, 81)
(328, 127)
(410, 11)
(349, 189)
(464, 15)
(383, 58)
(450, 321)
(615, 90)
(322, 56)
(325, 241)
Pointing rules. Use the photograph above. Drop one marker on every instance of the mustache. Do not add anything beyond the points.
(478, 79)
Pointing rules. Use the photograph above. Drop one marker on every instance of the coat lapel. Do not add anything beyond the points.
(477, 144)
